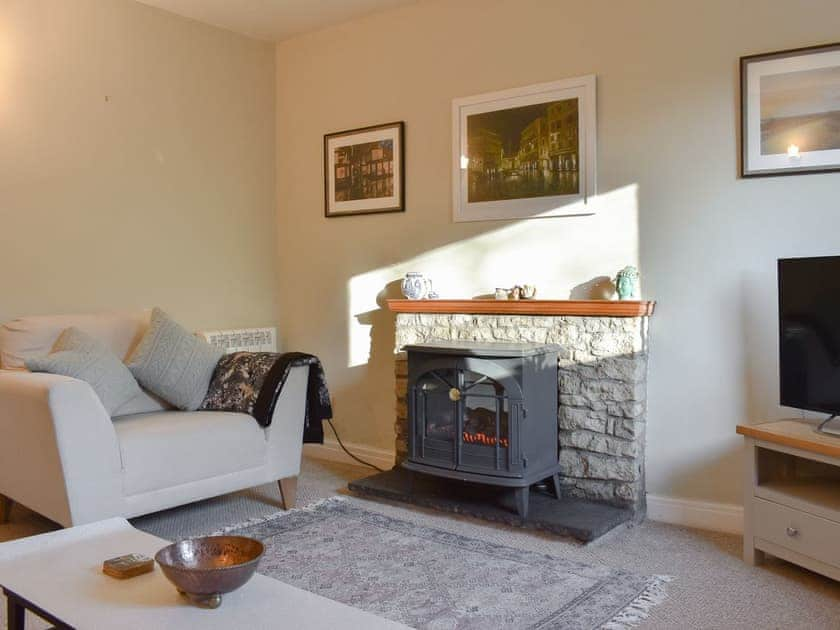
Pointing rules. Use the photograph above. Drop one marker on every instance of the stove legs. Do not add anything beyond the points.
(522, 495)
(556, 479)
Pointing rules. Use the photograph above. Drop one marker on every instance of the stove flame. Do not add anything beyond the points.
(484, 439)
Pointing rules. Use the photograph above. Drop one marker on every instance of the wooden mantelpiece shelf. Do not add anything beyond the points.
(590, 308)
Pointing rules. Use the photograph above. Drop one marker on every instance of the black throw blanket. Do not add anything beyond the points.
(251, 382)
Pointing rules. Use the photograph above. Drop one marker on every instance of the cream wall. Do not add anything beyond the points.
(136, 164)
(706, 241)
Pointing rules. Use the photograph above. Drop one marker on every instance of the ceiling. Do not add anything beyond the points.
(273, 19)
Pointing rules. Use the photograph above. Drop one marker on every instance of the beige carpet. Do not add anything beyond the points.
(712, 588)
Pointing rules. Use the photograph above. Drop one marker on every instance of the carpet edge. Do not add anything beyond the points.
(257, 520)
(638, 610)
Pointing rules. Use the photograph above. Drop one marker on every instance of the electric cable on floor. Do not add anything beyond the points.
(344, 448)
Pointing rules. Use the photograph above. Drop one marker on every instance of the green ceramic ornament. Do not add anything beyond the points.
(627, 283)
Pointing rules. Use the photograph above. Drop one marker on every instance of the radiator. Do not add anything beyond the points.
(242, 339)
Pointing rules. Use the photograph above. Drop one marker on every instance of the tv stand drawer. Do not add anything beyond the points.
(799, 531)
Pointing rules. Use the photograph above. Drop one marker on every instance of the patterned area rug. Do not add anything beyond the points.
(431, 579)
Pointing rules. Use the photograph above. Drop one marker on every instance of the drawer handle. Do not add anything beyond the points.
(792, 531)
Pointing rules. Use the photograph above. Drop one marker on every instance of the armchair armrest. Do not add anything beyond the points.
(285, 433)
(58, 449)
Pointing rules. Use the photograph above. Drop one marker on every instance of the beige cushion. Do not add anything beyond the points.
(162, 450)
(35, 336)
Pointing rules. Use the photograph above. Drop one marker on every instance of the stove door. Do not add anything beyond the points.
(435, 401)
(486, 435)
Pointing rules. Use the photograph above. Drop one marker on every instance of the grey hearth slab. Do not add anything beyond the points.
(583, 520)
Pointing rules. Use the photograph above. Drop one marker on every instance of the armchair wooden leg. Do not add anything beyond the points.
(288, 492)
(5, 509)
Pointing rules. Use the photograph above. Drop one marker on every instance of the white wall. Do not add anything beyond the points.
(136, 164)
(706, 241)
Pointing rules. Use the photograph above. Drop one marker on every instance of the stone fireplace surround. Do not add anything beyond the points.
(602, 381)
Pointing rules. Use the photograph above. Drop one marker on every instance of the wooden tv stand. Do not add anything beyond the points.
(792, 495)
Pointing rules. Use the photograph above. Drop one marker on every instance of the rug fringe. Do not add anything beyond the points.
(257, 520)
(639, 609)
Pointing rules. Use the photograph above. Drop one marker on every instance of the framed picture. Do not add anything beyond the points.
(790, 112)
(524, 153)
(363, 171)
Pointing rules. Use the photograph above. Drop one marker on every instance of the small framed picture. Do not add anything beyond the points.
(524, 153)
(364, 171)
(790, 112)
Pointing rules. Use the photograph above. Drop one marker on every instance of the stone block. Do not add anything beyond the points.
(576, 400)
(631, 409)
(629, 429)
(615, 493)
(570, 418)
(587, 465)
(598, 442)
(484, 334)
(570, 383)
(607, 390)
(631, 369)
(610, 345)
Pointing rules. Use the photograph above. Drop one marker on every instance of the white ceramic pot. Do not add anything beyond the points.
(415, 285)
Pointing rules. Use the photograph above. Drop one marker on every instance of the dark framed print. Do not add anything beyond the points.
(364, 171)
(790, 112)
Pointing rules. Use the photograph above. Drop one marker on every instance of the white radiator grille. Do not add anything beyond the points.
(242, 339)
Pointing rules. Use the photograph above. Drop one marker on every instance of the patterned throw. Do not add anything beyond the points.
(251, 382)
(432, 579)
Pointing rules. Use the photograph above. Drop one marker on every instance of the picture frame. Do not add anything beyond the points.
(790, 112)
(364, 170)
(526, 152)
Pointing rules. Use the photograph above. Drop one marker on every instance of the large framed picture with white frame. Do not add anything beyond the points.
(790, 112)
(524, 153)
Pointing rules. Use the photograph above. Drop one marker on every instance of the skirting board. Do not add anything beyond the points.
(331, 451)
(717, 517)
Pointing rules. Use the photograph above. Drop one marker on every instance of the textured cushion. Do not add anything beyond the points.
(83, 357)
(35, 336)
(173, 363)
(145, 402)
(163, 450)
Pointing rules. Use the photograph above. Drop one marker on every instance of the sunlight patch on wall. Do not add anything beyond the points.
(555, 254)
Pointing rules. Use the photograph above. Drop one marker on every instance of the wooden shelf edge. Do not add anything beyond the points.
(594, 308)
(804, 439)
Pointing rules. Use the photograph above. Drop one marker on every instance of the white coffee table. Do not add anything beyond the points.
(58, 577)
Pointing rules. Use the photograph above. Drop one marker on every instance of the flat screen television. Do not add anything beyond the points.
(809, 333)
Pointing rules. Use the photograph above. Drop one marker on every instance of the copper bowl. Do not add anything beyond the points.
(205, 568)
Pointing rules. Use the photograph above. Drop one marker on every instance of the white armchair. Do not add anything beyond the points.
(64, 457)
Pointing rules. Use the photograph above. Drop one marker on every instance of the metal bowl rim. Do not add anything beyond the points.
(180, 567)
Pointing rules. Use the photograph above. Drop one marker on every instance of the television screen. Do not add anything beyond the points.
(809, 333)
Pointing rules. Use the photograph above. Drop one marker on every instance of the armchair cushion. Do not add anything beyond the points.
(173, 363)
(167, 449)
(35, 335)
(83, 357)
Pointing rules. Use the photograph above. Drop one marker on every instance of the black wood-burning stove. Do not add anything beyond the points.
(484, 412)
